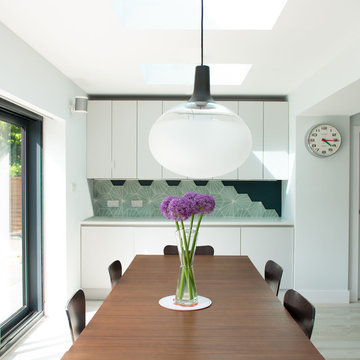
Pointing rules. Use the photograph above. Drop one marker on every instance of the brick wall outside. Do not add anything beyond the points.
(15, 204)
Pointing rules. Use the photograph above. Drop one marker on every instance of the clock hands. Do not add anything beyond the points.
(327, 141)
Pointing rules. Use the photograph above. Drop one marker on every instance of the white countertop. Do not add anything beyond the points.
(161, 221)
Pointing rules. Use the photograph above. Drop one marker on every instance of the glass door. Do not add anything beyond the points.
(20, 224)
(11, 220)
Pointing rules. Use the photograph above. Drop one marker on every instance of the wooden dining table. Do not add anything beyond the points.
(245, 320)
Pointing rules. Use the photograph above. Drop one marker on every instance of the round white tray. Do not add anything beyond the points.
(168, 303)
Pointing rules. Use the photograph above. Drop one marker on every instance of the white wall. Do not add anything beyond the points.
(78, 199)
(341, 71)
(322, 215)
(54, 214)
(332, 91)
(30, 81)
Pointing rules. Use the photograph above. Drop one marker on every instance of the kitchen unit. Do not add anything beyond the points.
(117, 139)
(104, 239)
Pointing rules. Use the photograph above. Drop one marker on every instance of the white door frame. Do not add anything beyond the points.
(354, 214)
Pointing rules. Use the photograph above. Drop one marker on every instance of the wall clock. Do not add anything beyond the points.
(323, 140)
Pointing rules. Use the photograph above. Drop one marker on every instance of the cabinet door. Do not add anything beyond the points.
(148, 113)
(276, 140)
(233, 106)
(100, 246)
(224, 240)
(124, 139)
(167, 174)
(270, 243)
(98, 140)
(152, 240)
(252, 113)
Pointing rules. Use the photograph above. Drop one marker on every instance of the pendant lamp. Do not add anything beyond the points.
(200, 139)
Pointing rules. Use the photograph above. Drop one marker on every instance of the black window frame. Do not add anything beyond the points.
(19, 322)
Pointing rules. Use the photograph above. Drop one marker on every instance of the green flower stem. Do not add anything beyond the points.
(180, 293)
(195, 235)
(187, 261)
(186, 270)
(187, 249)
(186, 275)
(191, 225)
(181, 288)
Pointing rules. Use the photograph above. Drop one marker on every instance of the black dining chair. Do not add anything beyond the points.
(273, 274)
(75, 311)
(200, 250)
(301, 310)
(115, 272)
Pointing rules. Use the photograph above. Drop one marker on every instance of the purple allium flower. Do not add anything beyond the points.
(164, 207)
(180, 209)
(190, 195)
(204, 203)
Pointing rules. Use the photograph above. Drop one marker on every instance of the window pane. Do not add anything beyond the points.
(11, 228)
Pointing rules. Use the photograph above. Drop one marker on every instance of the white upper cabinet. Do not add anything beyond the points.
(233, 106)
(167, 105)
(124, 139)
(252, 113)
(276, 140)
(118, 145)
(98, 140)
(148, 113)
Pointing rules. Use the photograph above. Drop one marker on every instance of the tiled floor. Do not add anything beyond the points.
(337, 331)
(336, 335)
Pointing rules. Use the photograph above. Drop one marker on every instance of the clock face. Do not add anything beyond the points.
(323, 140)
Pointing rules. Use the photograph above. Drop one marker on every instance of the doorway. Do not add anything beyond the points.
(20, 223)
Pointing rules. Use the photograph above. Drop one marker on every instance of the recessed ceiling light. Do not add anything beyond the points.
(182, 74)
(182, 14)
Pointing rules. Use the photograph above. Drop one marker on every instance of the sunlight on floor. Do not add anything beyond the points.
(49, 339)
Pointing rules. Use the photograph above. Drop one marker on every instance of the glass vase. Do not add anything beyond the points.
(186, 294)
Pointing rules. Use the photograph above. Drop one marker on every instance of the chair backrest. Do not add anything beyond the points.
(200, 250)
(75, 311)
(302, 311)
(171, 250)
(115, 272)
(273, 274)
(204, 250)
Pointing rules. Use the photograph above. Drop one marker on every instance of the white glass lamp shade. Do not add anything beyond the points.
(200, 141)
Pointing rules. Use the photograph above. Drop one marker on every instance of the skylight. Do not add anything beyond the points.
(183, 74)
(185, 14)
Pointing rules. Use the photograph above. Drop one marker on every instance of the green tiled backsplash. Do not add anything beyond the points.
(228, 202)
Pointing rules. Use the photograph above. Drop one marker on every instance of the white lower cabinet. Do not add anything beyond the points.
(270, 243)
(152, 240)
(100, 246)
(224, 240)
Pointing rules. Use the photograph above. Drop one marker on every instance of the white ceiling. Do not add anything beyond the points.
(85, 40)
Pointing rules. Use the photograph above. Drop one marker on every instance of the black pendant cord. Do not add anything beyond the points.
(202, 32)
(201, 95)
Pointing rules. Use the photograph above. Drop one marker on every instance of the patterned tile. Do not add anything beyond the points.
(228, 202)
(256, 209)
